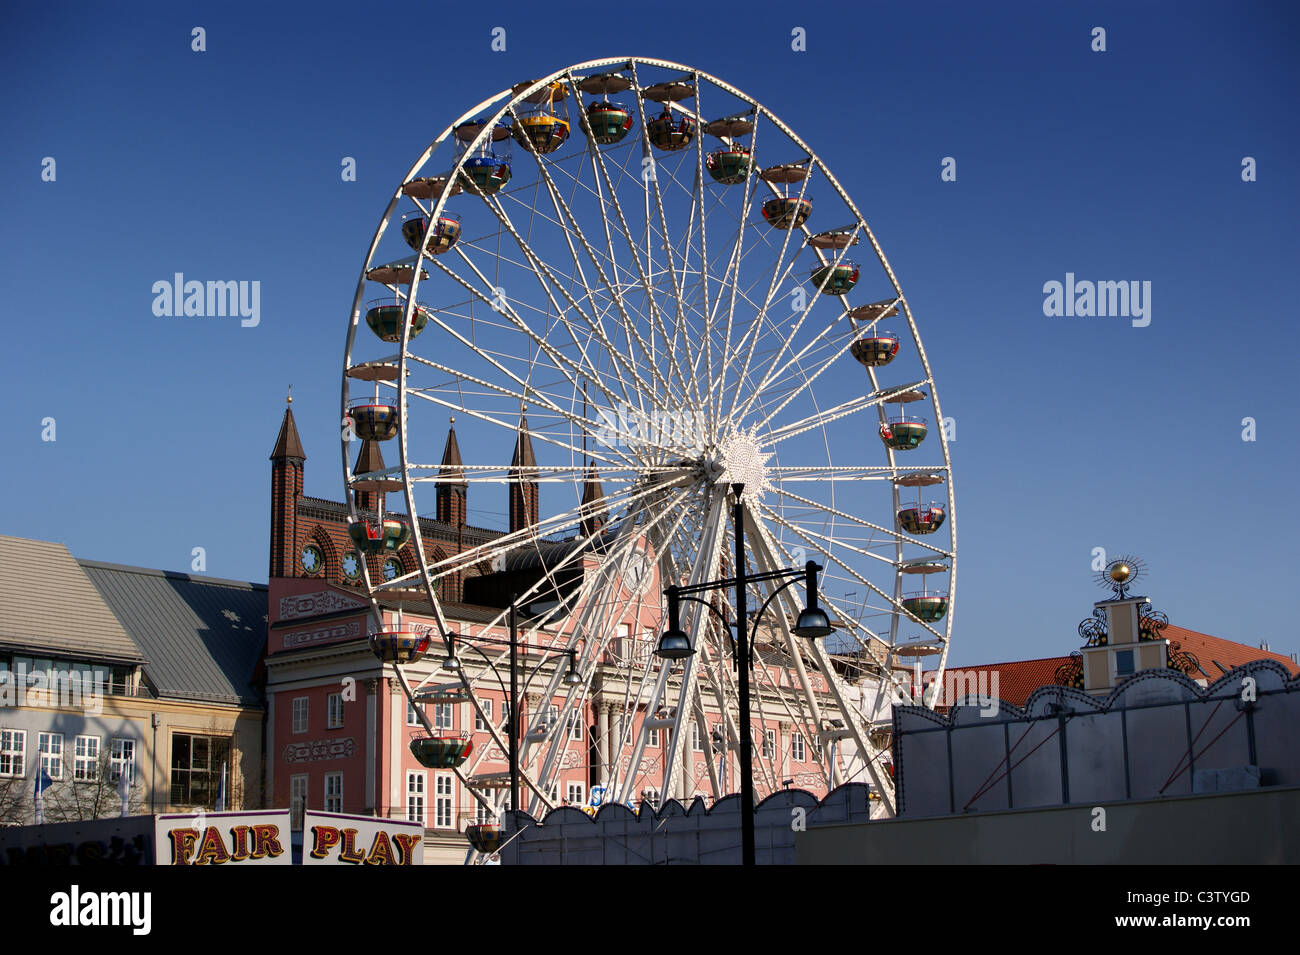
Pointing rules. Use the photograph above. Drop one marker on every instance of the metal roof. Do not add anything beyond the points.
(203, 636)
(49, 608)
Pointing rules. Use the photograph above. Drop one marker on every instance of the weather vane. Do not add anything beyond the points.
(1120, 574)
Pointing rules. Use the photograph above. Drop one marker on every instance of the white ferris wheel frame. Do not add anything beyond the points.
(665, 482)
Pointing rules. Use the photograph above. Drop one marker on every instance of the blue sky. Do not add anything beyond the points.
(1071, 433)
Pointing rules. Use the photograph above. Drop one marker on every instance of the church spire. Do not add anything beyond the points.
(286, 487)
(523, 493)
(452, 494)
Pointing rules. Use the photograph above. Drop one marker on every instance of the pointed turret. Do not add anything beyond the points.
(369, 458)
(592, 494)
(287, 461)
(523, 492)
(453, 489)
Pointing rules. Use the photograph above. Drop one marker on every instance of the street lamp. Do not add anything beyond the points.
(675, 644)
(571, 678)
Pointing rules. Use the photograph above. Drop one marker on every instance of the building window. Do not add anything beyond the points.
(654, 738)
(49, 751)
(197, 762)
(313, 560)
(415, 797)
(552, 715)
(696, 743)
(650, 797)
(769, 744)
(122, 760)
(442, 716)
(85, 762)
(479, 723)
(484, 813)
(718, 738)
(575, 794)
(796, 747)
(443, 809)
(297, 799)
(13, 752)
(629, 726)
(334, 712)
(575, 724)
(1123, 663)
(300, 714)
(333, 792)
(412, 717)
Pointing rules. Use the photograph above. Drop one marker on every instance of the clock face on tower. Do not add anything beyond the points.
(639, 573)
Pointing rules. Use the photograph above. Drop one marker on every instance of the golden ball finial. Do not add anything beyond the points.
(1120, 573)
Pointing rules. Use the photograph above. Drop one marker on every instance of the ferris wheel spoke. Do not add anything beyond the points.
(767, 302)
(825, 417)
(647, 285)
(776, 370)
(853, 719)
(822, 543)
(573, 228)
(890, 533)
(577, 373)
(544, 276)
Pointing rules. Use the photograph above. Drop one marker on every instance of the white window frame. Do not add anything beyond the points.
(798, 752)
(697, 744)
(575, 794)
(49, 754)
(334, 711)
(483, 814)
(412, 717)
(444, 801)
(443, 716)
(652, 796)
(300, 714)
(653, 741)
(769, 744)
(417, 806)
(85, 759)
(575, 724)
(333, 792)
(121, 755)
(13, 753)
(552, 715)
(297, 798)
(479, 725)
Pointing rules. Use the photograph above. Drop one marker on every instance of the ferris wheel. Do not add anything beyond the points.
(647, 285)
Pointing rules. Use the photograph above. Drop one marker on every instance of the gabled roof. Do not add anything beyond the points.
(203, 636)
(1211, 651)
(48, 607)
(1015, 679)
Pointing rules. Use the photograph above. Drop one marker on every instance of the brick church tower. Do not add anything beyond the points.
(287, 460)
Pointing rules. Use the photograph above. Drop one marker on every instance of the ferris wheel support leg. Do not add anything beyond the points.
(852, 719)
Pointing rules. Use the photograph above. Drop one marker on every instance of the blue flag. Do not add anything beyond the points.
(43, 782)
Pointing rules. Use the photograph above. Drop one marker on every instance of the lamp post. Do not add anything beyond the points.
(675, 644)
(571, 678)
